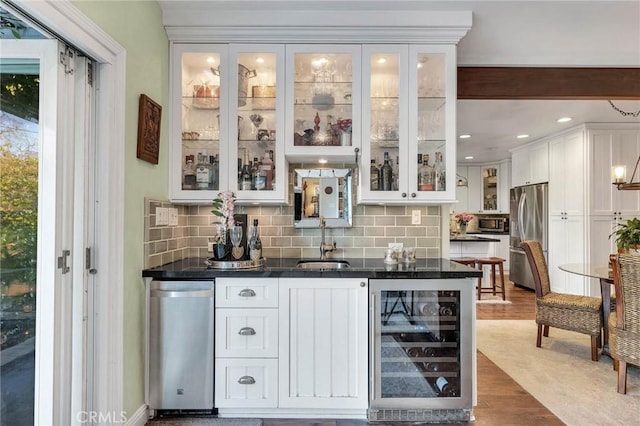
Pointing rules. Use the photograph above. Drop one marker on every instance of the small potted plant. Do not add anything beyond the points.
(628, 236)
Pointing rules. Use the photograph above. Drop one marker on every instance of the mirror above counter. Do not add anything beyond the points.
(323, 192)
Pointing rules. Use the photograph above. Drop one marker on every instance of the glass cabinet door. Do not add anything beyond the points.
(409, 124)
(490, 193)
(384, 147)
(434, 124)
(256, 123)
(324, 118)
(196, 131)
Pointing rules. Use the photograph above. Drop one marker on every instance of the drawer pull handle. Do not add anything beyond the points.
(247, 292)
(246, 380)
(246, 331)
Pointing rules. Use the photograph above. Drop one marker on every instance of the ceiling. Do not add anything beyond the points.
(494, 124)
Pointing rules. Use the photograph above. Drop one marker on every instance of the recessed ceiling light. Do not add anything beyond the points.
(564, 119)
(522, 136)
(465, 136)
(322, 161)
(469, 157)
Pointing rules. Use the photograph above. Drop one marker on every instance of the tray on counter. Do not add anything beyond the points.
(234, 264)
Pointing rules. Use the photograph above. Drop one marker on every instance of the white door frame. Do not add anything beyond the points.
(62, 17)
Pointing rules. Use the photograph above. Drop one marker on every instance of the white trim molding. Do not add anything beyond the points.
(63, 18)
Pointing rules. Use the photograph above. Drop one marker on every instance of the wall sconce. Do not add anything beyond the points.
(619, 177)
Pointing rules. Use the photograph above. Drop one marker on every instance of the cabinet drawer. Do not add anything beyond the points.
(246, 383)
(247, 292)
(246, 333)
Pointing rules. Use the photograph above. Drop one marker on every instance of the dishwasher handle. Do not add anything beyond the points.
(181, 293)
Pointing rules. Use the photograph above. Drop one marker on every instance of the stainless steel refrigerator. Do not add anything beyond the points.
(529, 221)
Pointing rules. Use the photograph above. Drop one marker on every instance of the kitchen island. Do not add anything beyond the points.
(372, 341)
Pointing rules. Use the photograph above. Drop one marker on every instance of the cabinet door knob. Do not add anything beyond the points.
(413, 195)
(363, 284)
(247, 292)
(404, 195)
(246, 380)
(246, 331)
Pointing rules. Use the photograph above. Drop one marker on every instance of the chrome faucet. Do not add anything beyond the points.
(324, 247)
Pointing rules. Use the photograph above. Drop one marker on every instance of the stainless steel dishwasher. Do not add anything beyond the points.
(181, 316)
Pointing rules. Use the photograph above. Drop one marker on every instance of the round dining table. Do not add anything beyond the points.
(603, 273)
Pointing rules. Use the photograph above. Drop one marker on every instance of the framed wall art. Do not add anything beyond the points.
(149, 115)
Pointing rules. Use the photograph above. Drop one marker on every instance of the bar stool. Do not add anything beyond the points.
(469, 261)
(481, 262)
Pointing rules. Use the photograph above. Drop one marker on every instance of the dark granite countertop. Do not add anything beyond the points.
(473, 238)
(195, 268)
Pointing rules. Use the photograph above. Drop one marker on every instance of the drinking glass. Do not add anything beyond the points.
(236, 237)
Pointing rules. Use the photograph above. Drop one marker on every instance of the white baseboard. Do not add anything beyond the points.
(140, 417)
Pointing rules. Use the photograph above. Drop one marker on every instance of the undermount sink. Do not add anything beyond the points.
(323, 264)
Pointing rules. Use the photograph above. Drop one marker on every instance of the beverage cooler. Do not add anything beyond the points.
(421, 354)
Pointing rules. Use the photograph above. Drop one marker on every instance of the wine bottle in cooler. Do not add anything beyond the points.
(445, 388)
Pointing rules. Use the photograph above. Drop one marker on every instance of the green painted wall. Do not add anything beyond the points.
(137, 26)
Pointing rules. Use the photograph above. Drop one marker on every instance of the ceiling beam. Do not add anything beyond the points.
(548, 83)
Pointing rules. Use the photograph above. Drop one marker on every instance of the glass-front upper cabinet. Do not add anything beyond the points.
(197, 93)
(490, 193)
(226, 117)
(409, 124)
(324, 95)
(256, 123)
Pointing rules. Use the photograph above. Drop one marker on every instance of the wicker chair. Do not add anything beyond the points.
(582, 314)
(624, 323)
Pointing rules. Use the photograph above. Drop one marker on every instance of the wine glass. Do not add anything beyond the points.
(236, 237)
(256, 120)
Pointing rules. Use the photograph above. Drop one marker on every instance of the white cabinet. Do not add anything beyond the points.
(246, 348)
(487, 189)
(227, 114)
(566, 245)
(567, 218)
(462, 191)
(469, 197)
(501, 248)
(291, 343)
(408, 113)
(530, 164)
(608, 147)
(567, 174)
(323, 343)
(323, 102)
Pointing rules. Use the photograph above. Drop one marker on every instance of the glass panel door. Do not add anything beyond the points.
(431, 121)
(258, 168)
(200, 132)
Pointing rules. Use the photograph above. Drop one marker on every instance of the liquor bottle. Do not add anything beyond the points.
(245, 183)
(255, 244)
(396, 173)
(203, 171)
(419, 167)
(374, 176)
(267, 170)
(387, 173)
(188, 174)
(427, 174)
(214, 181)
(440, 179)
(254, 172)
